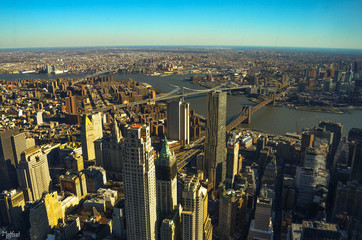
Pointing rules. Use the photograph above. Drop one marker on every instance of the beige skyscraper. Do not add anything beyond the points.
(178, 121)
(88, 137)
(196, 224)
(33, 173)
(215, 142)
(97, 125)
(232, 159)
(139, 183)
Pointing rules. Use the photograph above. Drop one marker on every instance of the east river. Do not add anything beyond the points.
(271, 119)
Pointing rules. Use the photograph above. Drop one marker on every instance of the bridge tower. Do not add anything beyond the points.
(183, 95)
(273, 98)
(229, 86)
(246, 110)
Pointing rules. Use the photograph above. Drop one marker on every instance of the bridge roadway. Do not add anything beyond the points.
(92, 75)
(242, 117)
(167, 96)
(197, 146)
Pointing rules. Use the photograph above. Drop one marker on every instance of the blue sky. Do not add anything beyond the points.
(318, 23)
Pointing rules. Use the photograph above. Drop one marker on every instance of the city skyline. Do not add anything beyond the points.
(326, 24)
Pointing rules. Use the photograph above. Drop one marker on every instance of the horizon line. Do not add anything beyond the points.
(179, 46)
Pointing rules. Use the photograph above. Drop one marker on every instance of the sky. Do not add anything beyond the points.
(293, 23)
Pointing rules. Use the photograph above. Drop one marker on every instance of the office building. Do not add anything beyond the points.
(178, 121)
(96, 119)
(39, 118)
(119, 221)
(232, 214)
(45, 214)
(8, 177)
(337, 130)
(232, 159)
(74, 162)
(139, 183)
(355, 134)
(33, 174)
(95, 178)
(108, 152)
(71, 106)
(39, 224)
(53, 208)
(196, 224)
(307, 140)
(270, 172)
(88, 137)
(215, 142)
(313, 230)
(18, 143)
(306, 181)
(74, 183)
(322, 137)
(261, 227)
(171, 225)
(348, 200)
(11, 208)
(356, 161)
(166, 181)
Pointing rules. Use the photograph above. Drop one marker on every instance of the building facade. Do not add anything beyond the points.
(178, 121)
(215, 143)
(33, 174)
(140, 183)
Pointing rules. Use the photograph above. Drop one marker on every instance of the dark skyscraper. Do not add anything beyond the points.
(166, 181)
(215, 145)
(336, 129)
(8, 178)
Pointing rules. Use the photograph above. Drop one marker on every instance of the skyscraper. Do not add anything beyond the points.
(18, 143)
(232, 214)
(33, 174)
(178, 121)
(232, 159)
(88, 137)
(96, 119)
(215, 144)
(8, 177)
(196, 224)
(166, 181)
(71, 105)
(337, 130)
(108, 152)
(11, 207)
(261, 227)
(139, 183)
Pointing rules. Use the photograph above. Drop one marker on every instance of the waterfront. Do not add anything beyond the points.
(271, 119)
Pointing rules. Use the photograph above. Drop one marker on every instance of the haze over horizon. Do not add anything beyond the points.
(321, 24)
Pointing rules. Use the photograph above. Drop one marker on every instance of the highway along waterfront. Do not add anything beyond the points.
(271, 119)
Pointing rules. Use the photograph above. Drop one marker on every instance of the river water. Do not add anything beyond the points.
(272, 119)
